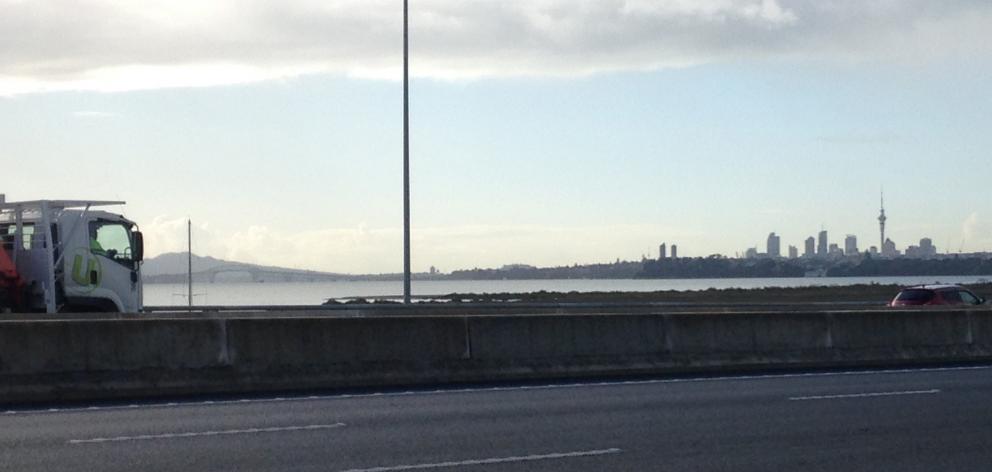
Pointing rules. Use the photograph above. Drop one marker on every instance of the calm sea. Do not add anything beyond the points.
(317, 292)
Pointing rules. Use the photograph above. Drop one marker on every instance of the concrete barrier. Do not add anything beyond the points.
(322, 353)
(89, 359)
(31, 348)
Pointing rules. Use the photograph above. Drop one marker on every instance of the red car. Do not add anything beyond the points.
(936, 295)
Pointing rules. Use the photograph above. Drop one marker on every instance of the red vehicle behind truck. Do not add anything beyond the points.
(930, 295)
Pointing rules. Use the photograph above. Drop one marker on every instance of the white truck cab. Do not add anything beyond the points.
(72, 258)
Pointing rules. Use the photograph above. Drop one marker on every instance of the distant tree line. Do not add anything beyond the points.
(883, 267)
(617, 270)
(717, 267)
(722, 267)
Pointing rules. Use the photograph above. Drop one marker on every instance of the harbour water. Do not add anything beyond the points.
(240, 294)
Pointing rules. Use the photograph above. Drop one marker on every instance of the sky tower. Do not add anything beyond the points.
(881, 220)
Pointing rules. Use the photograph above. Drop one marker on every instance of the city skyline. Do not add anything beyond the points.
(821, 247)
(548, 132)
(923, 248)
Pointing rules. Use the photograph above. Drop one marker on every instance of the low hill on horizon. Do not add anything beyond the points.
(175, 263)
(172, 263)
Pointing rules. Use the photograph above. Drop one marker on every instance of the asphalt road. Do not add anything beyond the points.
(931, 419)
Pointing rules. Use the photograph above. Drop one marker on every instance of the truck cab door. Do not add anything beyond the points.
(106, 271)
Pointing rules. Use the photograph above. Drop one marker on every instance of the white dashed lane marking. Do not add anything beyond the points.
(492, 460)
(227, 432)
(245, 401)
(867, 395)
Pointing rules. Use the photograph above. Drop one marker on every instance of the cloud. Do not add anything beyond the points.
(94, 114)
(114, 45)
(969, 229)
(168, 234)
(976, 234)
(867, 138)
(379, 250)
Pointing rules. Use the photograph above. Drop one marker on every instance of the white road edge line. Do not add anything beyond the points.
(494, 460)
(506, 389)
(149, 437)
(866, 395)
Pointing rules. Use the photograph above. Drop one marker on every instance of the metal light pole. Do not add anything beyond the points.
(189, 263)
(406, 159)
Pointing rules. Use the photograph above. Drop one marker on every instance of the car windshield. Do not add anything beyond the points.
(969, 298)
(915, 295)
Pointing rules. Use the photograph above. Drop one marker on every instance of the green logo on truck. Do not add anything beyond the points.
(86, 270)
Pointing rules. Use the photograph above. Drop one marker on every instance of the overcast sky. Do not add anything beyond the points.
(544, 131)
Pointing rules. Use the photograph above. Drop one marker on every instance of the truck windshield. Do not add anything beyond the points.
(112, 240)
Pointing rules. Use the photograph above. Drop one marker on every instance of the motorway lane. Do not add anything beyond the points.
(933, 419)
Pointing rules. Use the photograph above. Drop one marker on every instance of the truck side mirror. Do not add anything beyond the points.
(139, 246)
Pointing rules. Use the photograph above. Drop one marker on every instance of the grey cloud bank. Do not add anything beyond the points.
(114, 45)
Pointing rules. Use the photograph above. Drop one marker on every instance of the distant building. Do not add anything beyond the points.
(851, 245)
(810, 247)
(751, 253)
(835, 250)
(434, 270)
(889, 249)
(925, 250)
(873, 250)
(774, 246)
(662, 251)
(675, 251)
(821, 245)
(793, 252)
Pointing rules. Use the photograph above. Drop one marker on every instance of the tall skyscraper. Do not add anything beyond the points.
(675, 251)
(851, 245)
(810, 247)
(774, 246)
(793, 252)
(881, 219)
(821, 244)
(662, 251)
